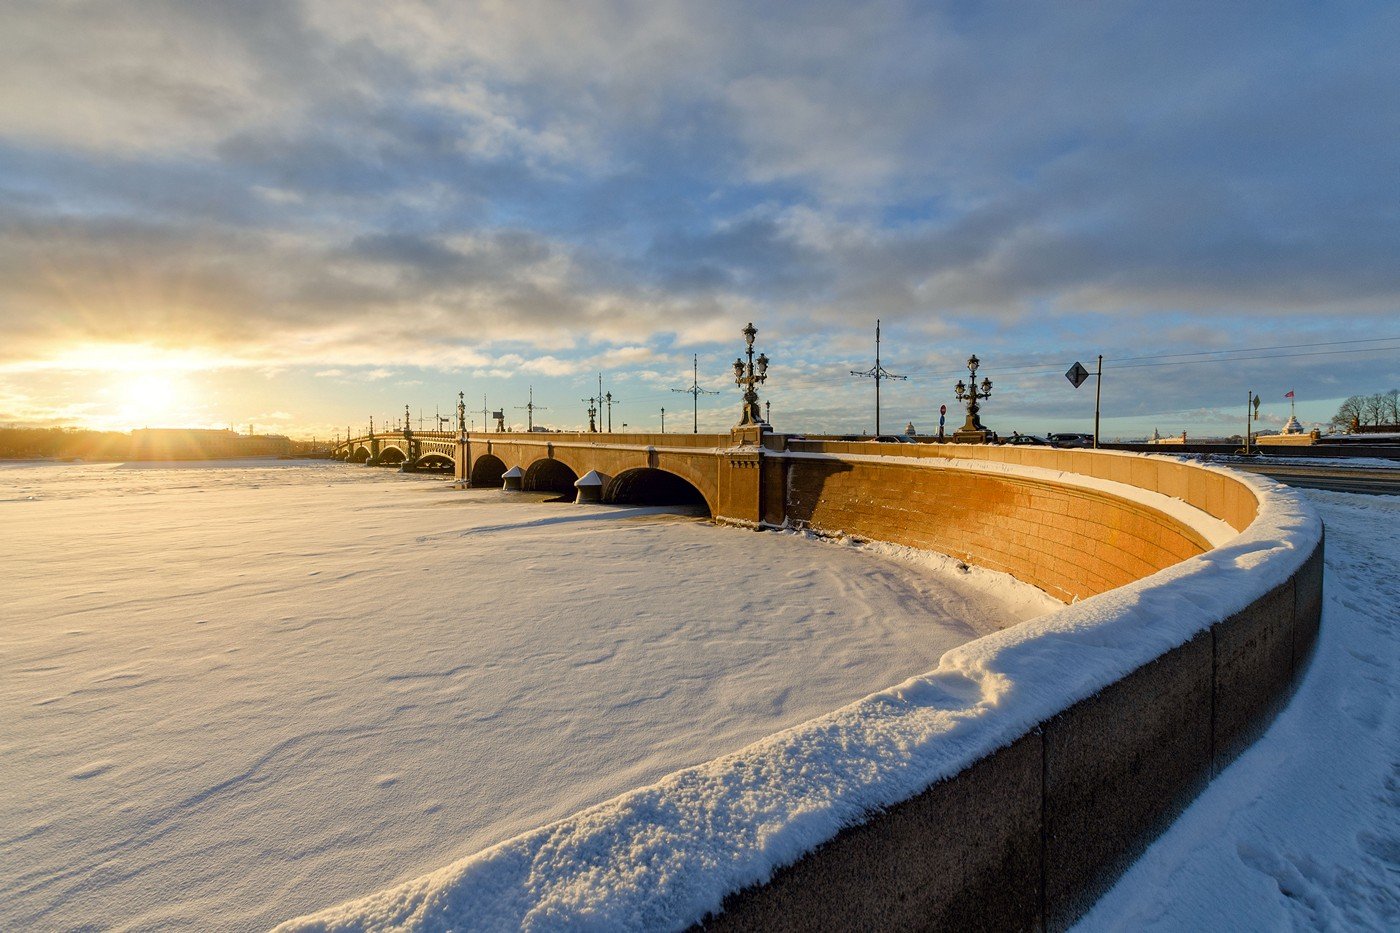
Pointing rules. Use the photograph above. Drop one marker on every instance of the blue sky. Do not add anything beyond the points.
(303, 214)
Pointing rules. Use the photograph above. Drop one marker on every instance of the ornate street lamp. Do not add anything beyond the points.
(461, 413)
(972, 431)
(749, 375)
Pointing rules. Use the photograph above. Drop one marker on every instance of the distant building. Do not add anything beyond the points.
(201, 444)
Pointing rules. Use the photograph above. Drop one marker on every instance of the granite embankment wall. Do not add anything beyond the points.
(1027, 837)
(1073, 523)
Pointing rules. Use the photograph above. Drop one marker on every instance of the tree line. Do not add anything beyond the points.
(63, 444)
(1381, 408)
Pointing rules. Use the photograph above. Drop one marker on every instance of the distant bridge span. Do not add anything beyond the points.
(722, 470)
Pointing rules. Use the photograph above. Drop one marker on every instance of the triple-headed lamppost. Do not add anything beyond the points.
(755, 373)
(972, 431)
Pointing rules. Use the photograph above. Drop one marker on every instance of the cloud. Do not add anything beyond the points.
(538, 191)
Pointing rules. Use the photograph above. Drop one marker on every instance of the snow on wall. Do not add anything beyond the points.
(663, 856)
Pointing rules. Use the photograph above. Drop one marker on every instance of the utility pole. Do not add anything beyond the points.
(663, 421)
(484, 412)
(695, 392)
(877, 372)
(1098, 396)
(610, 401)
(531, 408)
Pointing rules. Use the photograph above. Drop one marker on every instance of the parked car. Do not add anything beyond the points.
(1072, 439)
(894, 439)
(1022, 440)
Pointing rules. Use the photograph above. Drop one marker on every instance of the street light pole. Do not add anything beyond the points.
(972, 431)
(750, 376)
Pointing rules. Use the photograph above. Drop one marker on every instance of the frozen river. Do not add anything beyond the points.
(234, 694)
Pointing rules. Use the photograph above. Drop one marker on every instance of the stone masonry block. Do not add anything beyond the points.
(1119, 767)
(963, 855)
(1307, 606)
(1253, 668)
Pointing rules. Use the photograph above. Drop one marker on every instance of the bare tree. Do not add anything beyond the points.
(1392, 406)
(1351, 410)
(1372, 407)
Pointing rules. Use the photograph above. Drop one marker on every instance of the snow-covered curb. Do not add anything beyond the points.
(663, 856)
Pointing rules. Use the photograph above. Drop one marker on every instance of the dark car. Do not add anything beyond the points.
(1072, 439)
(1022, 440)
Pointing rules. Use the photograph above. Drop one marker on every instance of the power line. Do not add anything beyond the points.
(1161, 362)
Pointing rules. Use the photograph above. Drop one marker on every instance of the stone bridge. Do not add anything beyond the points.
(1050, 752)
(720, 471)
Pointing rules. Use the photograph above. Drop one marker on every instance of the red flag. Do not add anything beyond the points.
(1290, 394)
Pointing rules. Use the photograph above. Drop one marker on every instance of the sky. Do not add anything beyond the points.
(300, 215)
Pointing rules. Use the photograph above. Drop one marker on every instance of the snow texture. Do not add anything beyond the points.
(662, 856)
(1302, 831)
(237, 693)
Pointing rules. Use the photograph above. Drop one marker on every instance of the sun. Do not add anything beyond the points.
(147, 399)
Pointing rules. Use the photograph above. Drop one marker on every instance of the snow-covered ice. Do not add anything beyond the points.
(1303, 830)
(237, 693)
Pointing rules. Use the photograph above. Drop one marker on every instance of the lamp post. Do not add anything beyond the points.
(461, 413)
(753, 374)
(972, 431)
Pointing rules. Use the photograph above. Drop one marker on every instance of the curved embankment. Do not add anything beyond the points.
(1004, 789)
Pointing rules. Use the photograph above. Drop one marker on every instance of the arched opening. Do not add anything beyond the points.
(488, 470)
(391, 456)
(648, 486)
(435, 463)
(550, 476)
(359, 455)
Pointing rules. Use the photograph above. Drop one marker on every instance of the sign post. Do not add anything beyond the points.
(1076, 375)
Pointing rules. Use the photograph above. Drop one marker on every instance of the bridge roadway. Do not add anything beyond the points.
(1333, 477)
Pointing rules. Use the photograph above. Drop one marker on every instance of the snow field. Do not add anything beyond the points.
(237, 693)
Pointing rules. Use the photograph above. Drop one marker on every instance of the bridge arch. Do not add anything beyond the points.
(359, 455)
(550, 475)
(434, 460)
(488, 470)
(392, 454)
(653, 486)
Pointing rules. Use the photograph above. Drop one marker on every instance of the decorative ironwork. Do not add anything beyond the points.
(971, 393)
(749, 376)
